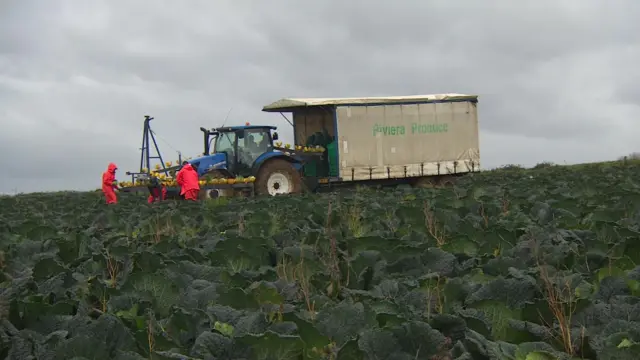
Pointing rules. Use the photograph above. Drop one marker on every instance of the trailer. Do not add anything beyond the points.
(338, 142)
(396, 139)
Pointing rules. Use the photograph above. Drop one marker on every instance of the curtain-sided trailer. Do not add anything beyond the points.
(387, 139)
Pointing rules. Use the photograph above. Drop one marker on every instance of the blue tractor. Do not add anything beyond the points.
(247, 151)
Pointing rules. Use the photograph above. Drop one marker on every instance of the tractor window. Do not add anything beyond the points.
(258, 141)
(254, 143)
(225, 143)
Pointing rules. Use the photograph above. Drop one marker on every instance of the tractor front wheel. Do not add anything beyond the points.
(278, 177)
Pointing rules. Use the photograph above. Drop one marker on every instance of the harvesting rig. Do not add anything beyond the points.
(382, 140)
(236, 159)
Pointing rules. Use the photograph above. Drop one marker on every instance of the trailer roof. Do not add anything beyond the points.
(291, 104)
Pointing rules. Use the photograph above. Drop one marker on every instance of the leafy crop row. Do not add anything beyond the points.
(539, 264)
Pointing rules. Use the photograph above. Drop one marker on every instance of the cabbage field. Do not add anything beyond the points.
(507, 265)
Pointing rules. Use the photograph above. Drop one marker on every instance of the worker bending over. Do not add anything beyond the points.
(187, 179)
(109, 184)
(158, 190)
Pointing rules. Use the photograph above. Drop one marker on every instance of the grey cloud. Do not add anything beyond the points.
(556, 79)
(53, 159)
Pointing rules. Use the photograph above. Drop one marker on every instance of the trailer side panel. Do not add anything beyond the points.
(407, 140)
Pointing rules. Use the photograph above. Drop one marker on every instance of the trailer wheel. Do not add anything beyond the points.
(278, 177)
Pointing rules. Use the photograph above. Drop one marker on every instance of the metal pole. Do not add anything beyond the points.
(145, 142)
(147, 152)
(155, 144)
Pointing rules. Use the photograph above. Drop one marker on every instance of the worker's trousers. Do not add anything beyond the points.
(110, 196)
(191, 194)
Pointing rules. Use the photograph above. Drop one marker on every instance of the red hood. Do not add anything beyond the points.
(112, 168)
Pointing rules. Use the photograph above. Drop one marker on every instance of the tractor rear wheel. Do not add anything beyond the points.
(278, 177)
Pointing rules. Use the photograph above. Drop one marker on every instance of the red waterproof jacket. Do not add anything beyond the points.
(108, 178)
(187, 179)
(180, 175)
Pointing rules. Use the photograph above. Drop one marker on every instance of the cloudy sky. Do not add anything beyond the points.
(557, 79)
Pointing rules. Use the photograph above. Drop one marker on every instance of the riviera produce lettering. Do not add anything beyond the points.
(416, 128)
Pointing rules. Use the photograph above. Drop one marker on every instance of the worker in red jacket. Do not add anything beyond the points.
(109, 184)
(187, 179)
(180, 178)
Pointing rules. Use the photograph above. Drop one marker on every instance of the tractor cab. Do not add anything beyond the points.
(238, 147)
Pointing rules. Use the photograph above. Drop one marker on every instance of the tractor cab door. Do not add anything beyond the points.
(251, 144)
(226, 144)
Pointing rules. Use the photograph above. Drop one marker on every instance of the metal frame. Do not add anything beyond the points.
(149, 139)
(145, 155)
